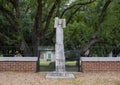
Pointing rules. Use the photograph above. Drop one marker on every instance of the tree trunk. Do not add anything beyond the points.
(26, 50)
(38, 30)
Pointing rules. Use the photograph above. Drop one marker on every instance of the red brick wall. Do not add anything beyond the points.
(19, 66)
(99, 66)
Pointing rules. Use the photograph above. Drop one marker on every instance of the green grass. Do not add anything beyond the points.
(46, 63)
(70, 63)
(67, 63)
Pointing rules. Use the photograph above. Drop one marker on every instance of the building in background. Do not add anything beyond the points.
(46, 53)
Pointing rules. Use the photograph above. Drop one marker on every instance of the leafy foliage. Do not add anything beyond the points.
(20, 21)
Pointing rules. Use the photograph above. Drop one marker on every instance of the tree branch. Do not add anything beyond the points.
(72, 15)
(15, 4)
(58, 6)
(102, 15)
(101, 18)
(78, 4)
(89, 44)
(9, 16)
(49, 16)
(94, 37)
(5, 39)
(57, 2)
(12, 22)
(37, 30)
(4, 10)
(38, 18)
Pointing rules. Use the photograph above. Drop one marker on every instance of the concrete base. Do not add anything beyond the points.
(60, 75)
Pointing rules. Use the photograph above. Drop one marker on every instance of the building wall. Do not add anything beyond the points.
(100, 65)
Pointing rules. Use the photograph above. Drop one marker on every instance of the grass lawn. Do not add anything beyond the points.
(45, 63)
(67, 63)
(70, 63)
(17, 78)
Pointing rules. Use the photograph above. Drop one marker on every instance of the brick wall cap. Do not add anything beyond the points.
(18, 58)
(100, 58)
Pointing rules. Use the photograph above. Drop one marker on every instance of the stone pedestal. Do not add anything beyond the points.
(60, 75)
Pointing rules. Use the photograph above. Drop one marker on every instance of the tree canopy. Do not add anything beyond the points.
(26, 23)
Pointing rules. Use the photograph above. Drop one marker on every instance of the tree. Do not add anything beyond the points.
(95, 28)
(32, 22)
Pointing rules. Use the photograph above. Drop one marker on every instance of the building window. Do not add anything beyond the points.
(49, 57)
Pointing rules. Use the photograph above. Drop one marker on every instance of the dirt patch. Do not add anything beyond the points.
(12, 78)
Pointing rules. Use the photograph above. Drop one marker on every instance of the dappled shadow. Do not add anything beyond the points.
(51, 67)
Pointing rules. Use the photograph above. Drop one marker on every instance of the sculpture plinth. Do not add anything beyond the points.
(59, 52)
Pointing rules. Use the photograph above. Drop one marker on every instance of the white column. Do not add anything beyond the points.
(59, 47)
(59, 52)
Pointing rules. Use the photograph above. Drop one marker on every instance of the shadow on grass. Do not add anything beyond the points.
(50, 66)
